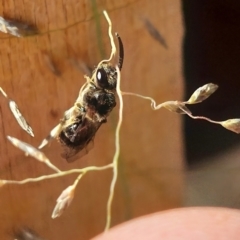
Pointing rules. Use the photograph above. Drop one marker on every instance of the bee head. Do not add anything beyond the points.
(106, 77)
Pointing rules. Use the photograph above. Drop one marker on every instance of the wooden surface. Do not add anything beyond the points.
(151, 159)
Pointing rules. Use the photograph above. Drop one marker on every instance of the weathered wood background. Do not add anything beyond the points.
(151, 163)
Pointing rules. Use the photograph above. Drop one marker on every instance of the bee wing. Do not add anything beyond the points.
(72, 154)
(81, 142)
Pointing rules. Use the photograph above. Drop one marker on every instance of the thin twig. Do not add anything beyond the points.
(59, 174)
(153, 102)
(117, 152)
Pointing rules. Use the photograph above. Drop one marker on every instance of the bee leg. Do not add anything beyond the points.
(53, 134)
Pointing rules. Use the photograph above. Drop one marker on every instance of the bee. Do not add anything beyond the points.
(96, 100)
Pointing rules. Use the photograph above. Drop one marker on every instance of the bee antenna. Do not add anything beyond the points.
(121, 51)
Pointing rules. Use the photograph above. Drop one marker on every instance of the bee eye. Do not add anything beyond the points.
(102, 78)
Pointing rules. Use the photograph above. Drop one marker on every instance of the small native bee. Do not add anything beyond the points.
(96, 99)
